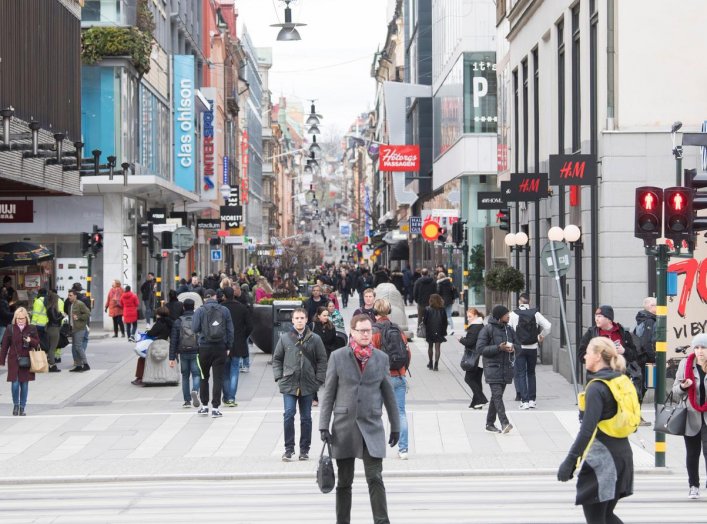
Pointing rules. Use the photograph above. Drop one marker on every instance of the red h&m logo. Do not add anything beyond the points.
(529, 185)
(573, 170)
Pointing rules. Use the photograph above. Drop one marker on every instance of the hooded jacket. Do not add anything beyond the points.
(498, 364)
(299, 366)
(648, 334)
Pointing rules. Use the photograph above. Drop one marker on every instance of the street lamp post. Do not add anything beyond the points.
(518, 242)
(558, 235)
(573, 236)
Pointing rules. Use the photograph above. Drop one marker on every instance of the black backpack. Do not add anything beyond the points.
(214, 325)
(187, 337)
(392, 343)
(527, 328)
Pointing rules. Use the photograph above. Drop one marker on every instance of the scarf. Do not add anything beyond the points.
(299, 336)
(692, 392)
(361, 353)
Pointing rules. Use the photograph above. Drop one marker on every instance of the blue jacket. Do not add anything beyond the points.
(200, 318)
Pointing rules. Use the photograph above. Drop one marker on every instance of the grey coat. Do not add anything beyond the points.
(356, 399)
(694, 417)
(299, 368)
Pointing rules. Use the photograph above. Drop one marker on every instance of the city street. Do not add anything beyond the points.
(134, 451)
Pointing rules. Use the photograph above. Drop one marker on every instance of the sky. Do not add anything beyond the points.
(332, 61)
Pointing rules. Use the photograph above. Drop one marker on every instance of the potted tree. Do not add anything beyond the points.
(502, 280)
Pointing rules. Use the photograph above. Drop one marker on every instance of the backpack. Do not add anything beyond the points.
(187, 337)
(527, 328)
(394, 346)
(628, 410)
(214, 325)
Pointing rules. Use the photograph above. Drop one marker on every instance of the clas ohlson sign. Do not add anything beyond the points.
(184, 136)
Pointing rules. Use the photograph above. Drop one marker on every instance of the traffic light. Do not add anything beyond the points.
(699, 200)
(85, 243)
(503, 217)
(457, 232)
(648, 224)
(442, 235)
(96, 240)
(147, 236)
(166, 240)
(215, 241)
(678, 213)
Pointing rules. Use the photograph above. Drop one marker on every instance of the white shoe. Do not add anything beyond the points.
(694, 492)
(403, 455)
(524, 405)
(532, 404)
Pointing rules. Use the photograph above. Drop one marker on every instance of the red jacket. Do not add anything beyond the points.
(129, 302)
(12, 348)
(113, 301)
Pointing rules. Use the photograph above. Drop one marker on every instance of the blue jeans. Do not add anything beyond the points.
(231, 371)
(448, 311)
(188, 365)
(525, 373)
(2, 331)
(131, 329)
(400, 389)
(79, 339)
(305, 418)
(245, 362)
(19, 393)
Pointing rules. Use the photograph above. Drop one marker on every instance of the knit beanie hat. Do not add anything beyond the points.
(700, 340)
(606, 311)
(499, 312)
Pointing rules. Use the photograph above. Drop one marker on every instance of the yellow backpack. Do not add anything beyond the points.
(628, 413)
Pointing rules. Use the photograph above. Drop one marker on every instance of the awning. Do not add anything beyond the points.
(400, 251)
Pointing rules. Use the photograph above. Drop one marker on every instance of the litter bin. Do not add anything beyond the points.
(282, 318)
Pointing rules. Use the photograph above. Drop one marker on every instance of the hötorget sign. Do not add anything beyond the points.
(562, 256)
(399, 158)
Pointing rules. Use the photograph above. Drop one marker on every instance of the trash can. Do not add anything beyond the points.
(282, 318)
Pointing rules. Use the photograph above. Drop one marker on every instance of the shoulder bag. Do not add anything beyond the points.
(672, 417)
(325, 470)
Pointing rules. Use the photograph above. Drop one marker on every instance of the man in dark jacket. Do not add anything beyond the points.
(242, 326)
(5, 312)
(606, 327)
(299, 366)
(147, 294)
(364, 282)
(212, 353)
(645, 328)
(497, 344)
(424, 288)
(314, 302)
(407, 285)
(188, 351)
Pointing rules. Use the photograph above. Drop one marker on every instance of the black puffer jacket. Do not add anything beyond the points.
(424, 288)
(445, 289)
(498, 364)
(435, 321)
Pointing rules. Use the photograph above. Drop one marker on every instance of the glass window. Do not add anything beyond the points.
(100, 102)
(154, 134)
(102, 11)
(448, 109)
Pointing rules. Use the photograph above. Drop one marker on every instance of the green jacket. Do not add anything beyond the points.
(79, 309)
(299, 367)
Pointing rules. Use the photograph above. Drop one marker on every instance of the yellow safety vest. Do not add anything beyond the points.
(39, 312)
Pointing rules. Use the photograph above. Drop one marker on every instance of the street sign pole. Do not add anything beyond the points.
(662, 257)
(563, 314)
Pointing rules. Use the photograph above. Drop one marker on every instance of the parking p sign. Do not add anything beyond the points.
(216, 255)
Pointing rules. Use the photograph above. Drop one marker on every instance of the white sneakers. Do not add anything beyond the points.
(694, 492)
(531, 404)
(403, 455)
(524, 405)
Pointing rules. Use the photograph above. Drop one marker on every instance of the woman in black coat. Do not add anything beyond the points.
(324, 327)
(607, 470)
(497, 344)
(435, 321)
(176, 309)
(472, 377)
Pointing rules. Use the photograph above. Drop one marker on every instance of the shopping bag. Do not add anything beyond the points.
(38, 361)
(142, 345)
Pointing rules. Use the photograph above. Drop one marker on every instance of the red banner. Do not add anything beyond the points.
(16, 211)
(399, 158)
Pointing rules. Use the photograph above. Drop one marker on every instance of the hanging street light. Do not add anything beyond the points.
(313, 118)
(288, 31)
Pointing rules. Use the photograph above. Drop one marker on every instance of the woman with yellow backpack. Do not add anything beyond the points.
(610, 412)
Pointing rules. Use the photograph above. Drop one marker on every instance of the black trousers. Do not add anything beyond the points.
(473, 380)
(693, 446)
(496, 406)
(373, 467)
(211, 362)
(118, 323)
(601, 513)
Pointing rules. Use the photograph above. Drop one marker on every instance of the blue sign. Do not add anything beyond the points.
(415, 225)
(225, 170)
(345, 229)
(216, 255)
(184, 137)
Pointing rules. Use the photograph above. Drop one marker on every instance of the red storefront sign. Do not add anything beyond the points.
(244, 167)
(399, 158)
(16, 211)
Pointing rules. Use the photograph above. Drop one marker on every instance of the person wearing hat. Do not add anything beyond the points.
(605, 326)
(498, 345)
(691, 386)
(183, 347)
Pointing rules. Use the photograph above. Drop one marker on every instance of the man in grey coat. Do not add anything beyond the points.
(355, 390)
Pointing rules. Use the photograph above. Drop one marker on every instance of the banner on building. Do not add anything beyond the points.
(489, 200)
(234, 199)
(208, 223)
(482, 111)
(573, 170)
(16, 211)
(208, 147)
(688, 310)
(157, 215)
(525, 187)
(226, 166)
(232, 214)
(184, 146)
(399, 158)
(245, 156)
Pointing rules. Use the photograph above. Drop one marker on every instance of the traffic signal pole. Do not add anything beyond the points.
(662, 258)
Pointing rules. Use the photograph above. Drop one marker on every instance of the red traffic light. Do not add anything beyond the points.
(648, 201)
(677, 201)
(648, 213)
(678, 213)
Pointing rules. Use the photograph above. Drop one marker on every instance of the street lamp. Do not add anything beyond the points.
(313, 118)
(517, 241)
(288, 31)
(677, 152)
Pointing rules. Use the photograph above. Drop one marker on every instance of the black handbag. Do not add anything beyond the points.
(23, 362)
(672, 417)
(470, 360)
(325, 470)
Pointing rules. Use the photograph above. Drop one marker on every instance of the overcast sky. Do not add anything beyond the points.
(332, 62)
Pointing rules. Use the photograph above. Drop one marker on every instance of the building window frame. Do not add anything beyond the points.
(576, 82)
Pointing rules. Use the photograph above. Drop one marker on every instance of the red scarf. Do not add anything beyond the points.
(692, 392)
(361, 353)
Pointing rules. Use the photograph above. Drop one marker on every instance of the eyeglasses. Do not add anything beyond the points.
(21, 318)
(364, 331)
